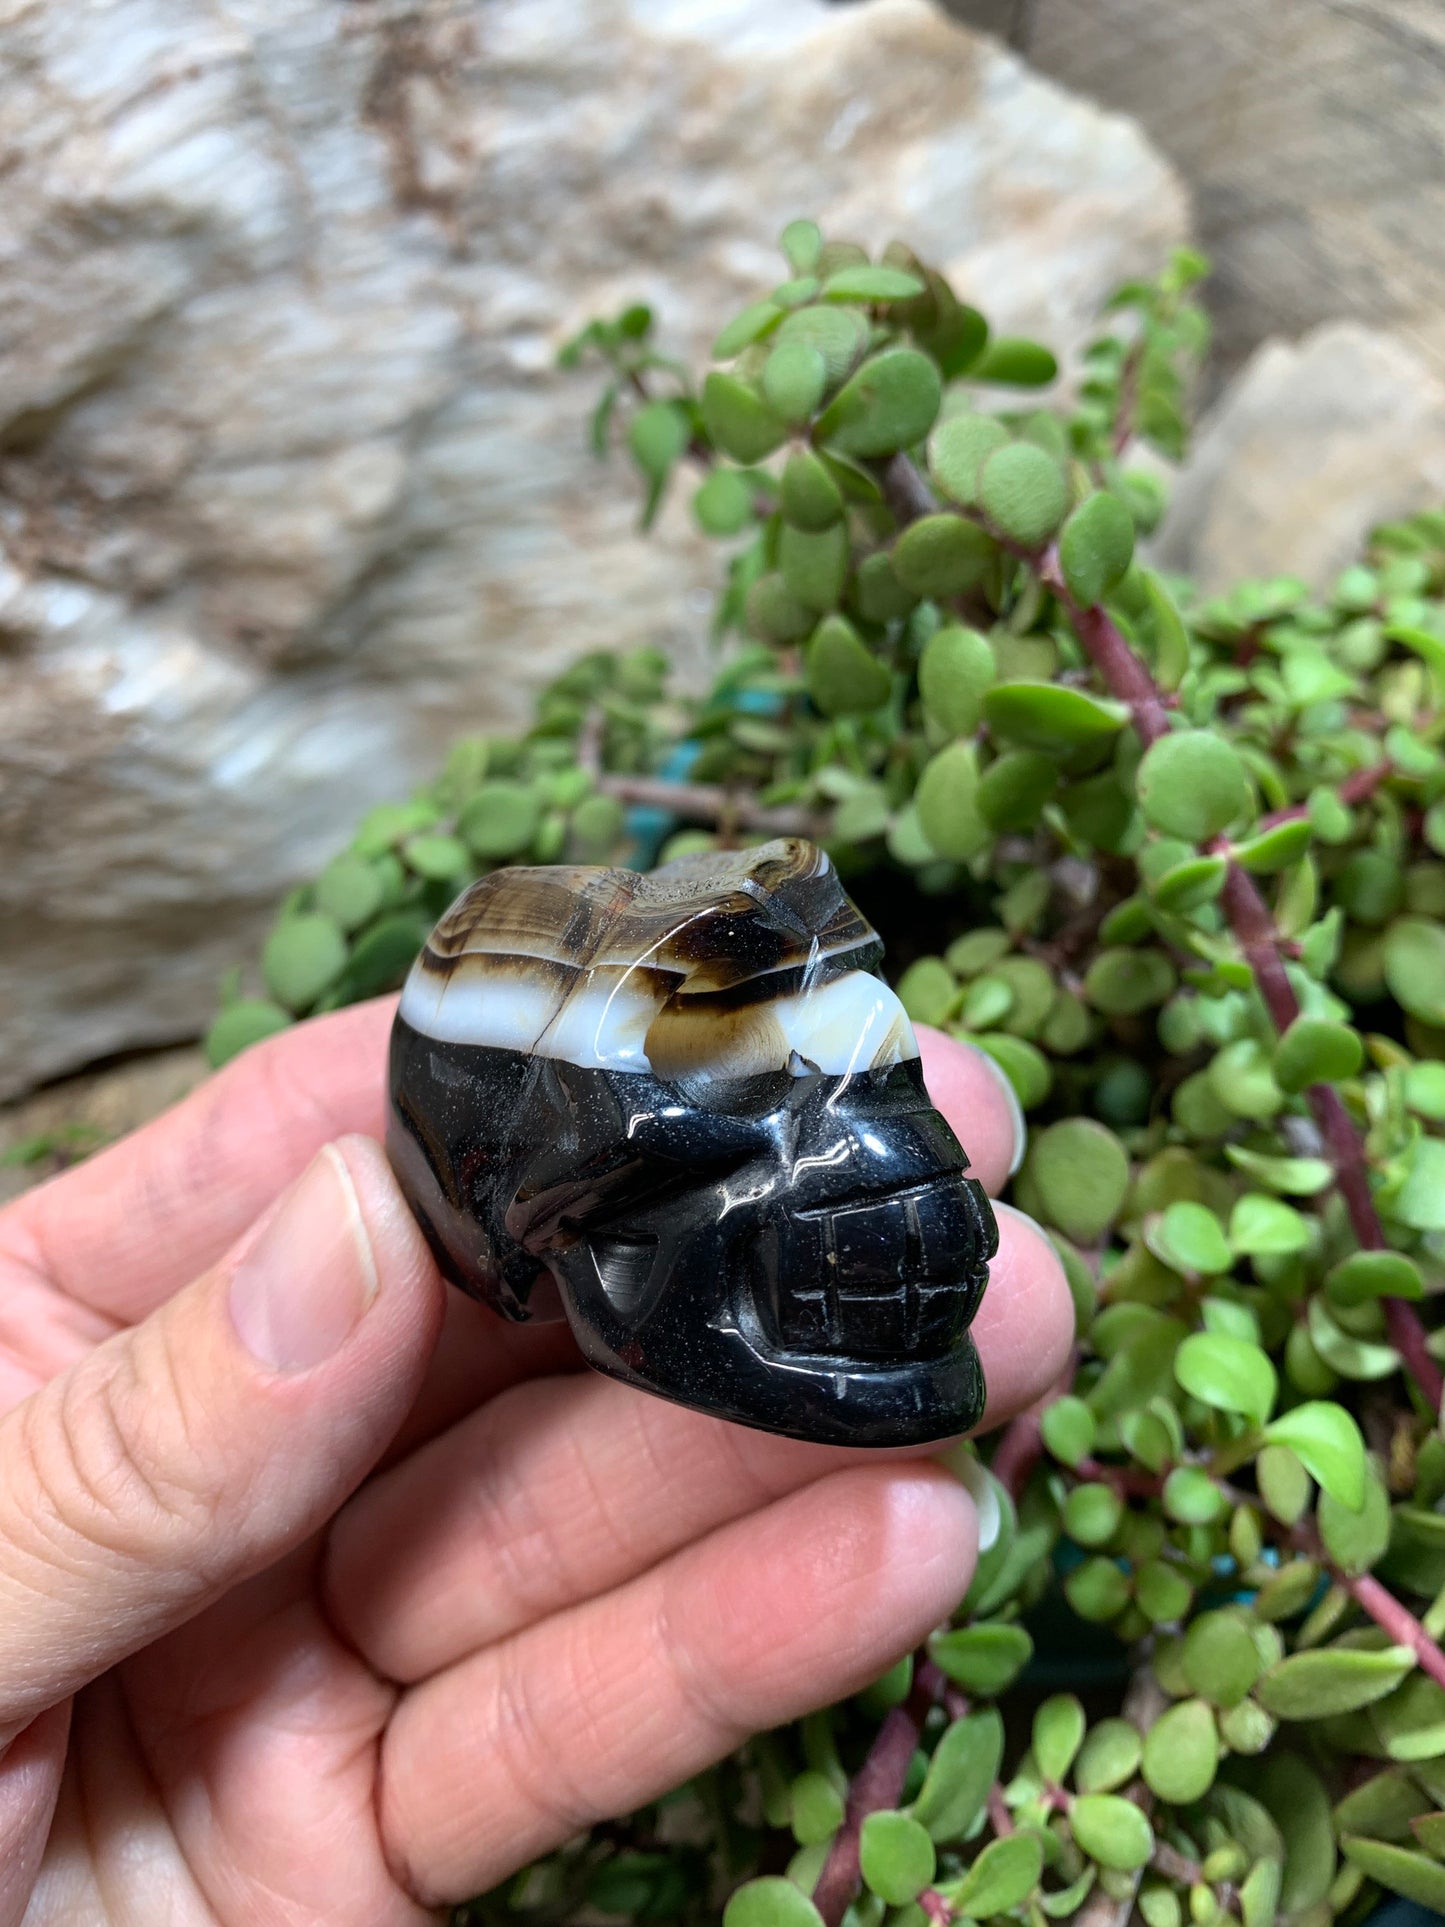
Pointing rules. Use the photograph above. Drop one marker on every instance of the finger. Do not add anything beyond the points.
(30, 1770)
(1024, 1328)
(565, 1488)
(979, 1102)
(130, 1226)
(603, 1707)
(181, 1456)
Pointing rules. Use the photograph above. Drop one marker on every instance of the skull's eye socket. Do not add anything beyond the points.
(756, 1096)
(624, 1270)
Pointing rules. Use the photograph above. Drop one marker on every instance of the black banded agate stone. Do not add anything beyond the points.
(682, 1111)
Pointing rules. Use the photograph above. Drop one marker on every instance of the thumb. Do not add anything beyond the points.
(185, 1454)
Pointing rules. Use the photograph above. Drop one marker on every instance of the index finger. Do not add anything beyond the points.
(125, 1230)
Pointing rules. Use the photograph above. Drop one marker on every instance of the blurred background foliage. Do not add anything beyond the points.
(1177, 863)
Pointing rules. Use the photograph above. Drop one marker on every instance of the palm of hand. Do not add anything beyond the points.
(557, 1598)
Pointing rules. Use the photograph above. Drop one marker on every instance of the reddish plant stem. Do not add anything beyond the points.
(1106, 647)
(1377, 1602)
(999, 1817)
(1251, 922)
(1358, 787)
(1398, 1621)
(876, 1785)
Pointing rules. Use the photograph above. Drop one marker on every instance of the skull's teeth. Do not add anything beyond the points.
(909, 1319)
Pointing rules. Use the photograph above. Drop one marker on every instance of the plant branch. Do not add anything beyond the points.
(1358, 787)
(878, 1784)
(710, 803)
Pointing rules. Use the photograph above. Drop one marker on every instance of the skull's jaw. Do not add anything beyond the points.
(734, 1372)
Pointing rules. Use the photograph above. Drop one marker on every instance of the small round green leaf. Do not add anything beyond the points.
(1012, 793)
(755, 321)
(844, 679)
(1111, 1830)
(982, 1659)
(1192, 1497)
(1123, 982)
(1316, 1051)
(814, 564)
(890, 403)
(1220, 1658)
(942, 555)
(1316, 1685)
(774, 613)
(947, 803)
(1109, 1757)
(839, 334)
(954, 671)
(1227, 1373)
(240, 1025)
(964, 1766)
(350, 891)
(1080, 1173)
(500, 820)
(1023, 493)
(1051, 716)
(802, 243)
(440, 859)
(1192, 784)
(1416, 1876)
(1001, 1878)
(794, 378)
(1069, 1429)
(1265, 1227)
(303, 956)
(957, 450)
(1015, 363)
(816, 1808)
(723, 504)
(1059, 1727)
(771, 1902)
(809, 496)
(1369, 1275)
(658, 434)
(1276, 849)
(1096, 546)
(1356, 1539)
(927, 989)
(896, 1856)
(1189, 1238)
(738, 420)
(1181, 1753)
(1415, 967)
(1327, 1441)
(869, 283)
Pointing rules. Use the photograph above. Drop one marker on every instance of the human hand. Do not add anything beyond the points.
(231, 1691)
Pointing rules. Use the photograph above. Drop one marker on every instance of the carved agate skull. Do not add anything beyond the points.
(681, 1111)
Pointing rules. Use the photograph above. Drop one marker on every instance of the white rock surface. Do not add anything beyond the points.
(290, 490)
(1311, 444)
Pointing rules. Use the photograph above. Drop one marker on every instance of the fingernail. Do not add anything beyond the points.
(301, 1289)
(1011, 1097)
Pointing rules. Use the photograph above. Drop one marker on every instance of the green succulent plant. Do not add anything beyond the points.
(1178, 865)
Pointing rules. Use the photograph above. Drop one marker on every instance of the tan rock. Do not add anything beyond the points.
(1311, 444)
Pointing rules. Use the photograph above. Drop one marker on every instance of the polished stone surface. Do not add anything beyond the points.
(682, 1112)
